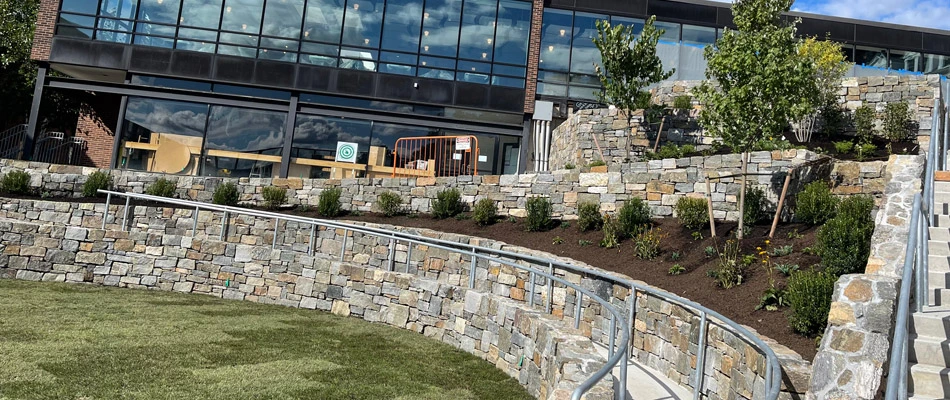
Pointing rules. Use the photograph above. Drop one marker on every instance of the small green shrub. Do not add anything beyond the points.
(598, 163)
(843, 147)
(569, 166)
(162, 188)
(610, 228)
(274, 196)
(692, 212)
(588, 216)
(782, 251)
(565, 224)
(97, 180)
(226, 194)
(772, 299)
(15, 182)
(730, 269)
(815, 204)
(844, 242)
(710, 251)
(539, 214)
(484, 213)
(756, 206)
(697, 236)
(897, 121)
(388, 204)
(646, 244)
(448, 203)
(864, 151)
(835, 120)
(809, 297)
(557, 240)
(786, 269)
(671, 151)
(584, 242)
(633, 217)
(329, 205)
(676, 256)
(864, 123)
(682, 102)
(677, 269)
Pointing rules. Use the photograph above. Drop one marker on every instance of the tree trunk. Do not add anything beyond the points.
(626, 157)
(745, 170)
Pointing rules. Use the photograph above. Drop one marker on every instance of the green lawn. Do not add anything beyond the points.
(62, 341)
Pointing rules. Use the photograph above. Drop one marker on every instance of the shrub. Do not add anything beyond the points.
(692, 212)
(815, 204)
(786, 269)
(539, 214)
(682, 102)
(834, 120)
(756, 206)
(783, 251)
(588, 216)
(646, 244)
(772, 299)
(569, 166)
(274, 196)
(633, 216)
(15, 182)
(864, 151)
(844, 242)
(484, 212)
(864, 122)
(730, 269)
(677, 269)
(896, 121)
(598, 163)
(388, 204)
(97, 180)
(162, 188)
(843, 147)
(610, 229)
(328, 205)
(809, 296)
(226, 194)
(448, 203)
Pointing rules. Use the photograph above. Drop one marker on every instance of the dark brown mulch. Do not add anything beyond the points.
(737, 303)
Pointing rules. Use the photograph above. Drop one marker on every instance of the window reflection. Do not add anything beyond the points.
(201, 13)
(162, 136)
(282, 18)
(583, 52)
(557, 32)
(324, 20)
(243, 142)
(440, 24)
(362, 23)
(315, 138)
(478, 30)
(403, 23)
(905, 61)
(242, 16)
(514, 25)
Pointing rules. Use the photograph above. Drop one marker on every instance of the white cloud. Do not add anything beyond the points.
(925, 13)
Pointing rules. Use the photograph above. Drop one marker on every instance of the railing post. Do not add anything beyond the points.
(531, 289)
(700, 358)
(633, 318)
(194, 225)
(125, 214)
(408, 255)
(921, 265)
(550, 305)
(313, 237)
(392, 252)
(105, 211)
(471, 272)
(346, 232)
(613, 336)
(224, 225)
(577, 309)
(273, 244)
(623, 367)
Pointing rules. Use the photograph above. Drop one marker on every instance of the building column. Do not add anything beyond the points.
(119, 125)
(30, 138)
(289, 136)
(525, 142)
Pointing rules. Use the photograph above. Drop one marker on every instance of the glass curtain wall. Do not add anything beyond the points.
(482, 41)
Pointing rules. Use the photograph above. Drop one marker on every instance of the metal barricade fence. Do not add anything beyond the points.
(451, 155)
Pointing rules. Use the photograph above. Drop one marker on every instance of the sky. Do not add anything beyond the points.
(926, 13)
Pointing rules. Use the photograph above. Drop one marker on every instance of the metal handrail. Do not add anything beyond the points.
(773, 368)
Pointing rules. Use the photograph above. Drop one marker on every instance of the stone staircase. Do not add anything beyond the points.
(929, 352)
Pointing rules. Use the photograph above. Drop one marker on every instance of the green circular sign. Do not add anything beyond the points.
(347, 151)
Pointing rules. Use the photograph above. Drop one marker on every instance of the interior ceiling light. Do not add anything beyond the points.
(426, 33)
(356, 6)
(562, 32)
(484, 55)
(228, 9)
(489, 40)
(365, 41)
(551, 48)
(425, 15)
(425, 48)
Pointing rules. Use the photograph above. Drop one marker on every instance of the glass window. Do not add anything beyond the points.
(436, 73)
(469, 66)
(159, 11)
(170, 83)
(402, 26)
(279, 44)
(79, 6)
(250, 52)
(362, 22)
(507, 81)
(549, 89)
(238, 138)
(583, 52)
(114, 30)
(440, 27)
(936, 64)
(397, 69)
(668, 47)
(238, 38)
(315, 137)
(162, 136)
(698, 35)
(556, 34)
(437, 62)
(692, 63)
(870, 57)
(478, 29)
(672, 31)
(472, 77)
(282, 18)
(385, 136)
(400, 58)
(317, 48)
(509, 70)
(115, 8)
(514, 26)
(324, 20)
(243, 16)
(251, 91)
(583, 93)
(201, 13)
(636, 23)
(77, 20)
(905, 61)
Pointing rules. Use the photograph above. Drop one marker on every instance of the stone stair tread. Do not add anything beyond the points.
(929, 380)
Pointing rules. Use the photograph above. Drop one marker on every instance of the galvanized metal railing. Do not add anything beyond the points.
(546, 269)
(11, 141)
(916, 263)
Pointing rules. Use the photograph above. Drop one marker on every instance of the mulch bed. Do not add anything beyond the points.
(737, 303)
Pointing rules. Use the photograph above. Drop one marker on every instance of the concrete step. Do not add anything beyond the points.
(941, 186)
(938, 248)
(941, 234)
(930, 351)
(943, 221)
(939, 297)
(930, 324)
(929, 381)
(941, 196)
(924, 398)
(938, 263)
(942, 207)
(938, 279)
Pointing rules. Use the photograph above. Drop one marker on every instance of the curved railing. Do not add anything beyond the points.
(543, 267)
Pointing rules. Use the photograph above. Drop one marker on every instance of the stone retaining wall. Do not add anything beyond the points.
(546, 356)
(664, 334)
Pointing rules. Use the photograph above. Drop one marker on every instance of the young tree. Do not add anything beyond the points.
(760, 81)
(830, 65)
(630, 65)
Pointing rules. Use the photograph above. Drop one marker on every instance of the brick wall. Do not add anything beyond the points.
(45, 26)
(534, 52)
(99, 140)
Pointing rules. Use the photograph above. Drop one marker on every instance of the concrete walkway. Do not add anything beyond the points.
(644, 383)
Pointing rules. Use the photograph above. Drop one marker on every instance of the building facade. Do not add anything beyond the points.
(272, 87)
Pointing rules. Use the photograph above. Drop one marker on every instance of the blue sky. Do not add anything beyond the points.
(927, 13)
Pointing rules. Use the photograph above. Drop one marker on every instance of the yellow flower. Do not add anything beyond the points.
(758, 248)
(765, 261)
(767, 242)
(761, 253)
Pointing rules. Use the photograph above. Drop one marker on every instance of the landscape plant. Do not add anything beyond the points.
(756, 206)
(96, 181)
(683, 103)
(274, 196)
(844, 146)
(448, 203)
(588, 216)
(730, 268)
(692, 212)
(864, 123)
(809, 299)
(633, 217)
(388, 203)
(829, 66)
(844, 242)
(328, 204)
(646, 244)
(630, 64)
(539, 214)
(226, 194)
(15, 182)
(815, 204)
(676, 269)
(756, 81)
(161, 188)
(896, 122)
